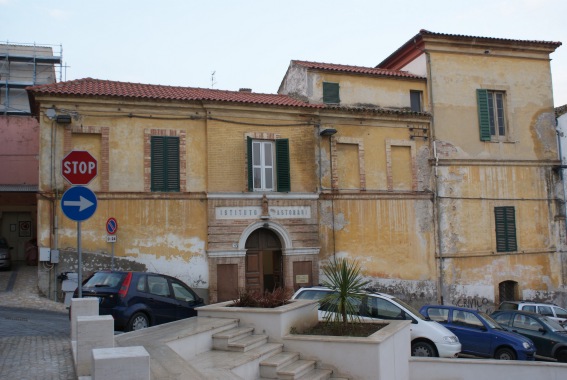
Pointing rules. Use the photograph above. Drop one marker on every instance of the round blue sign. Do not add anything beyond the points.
(111, 226)
(78, 203)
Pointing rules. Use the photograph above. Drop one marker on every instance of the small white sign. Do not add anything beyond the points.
(111, 238)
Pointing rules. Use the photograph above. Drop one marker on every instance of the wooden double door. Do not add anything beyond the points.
(264, 266)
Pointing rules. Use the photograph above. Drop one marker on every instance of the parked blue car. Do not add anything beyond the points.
(137, 300)
(479, 334)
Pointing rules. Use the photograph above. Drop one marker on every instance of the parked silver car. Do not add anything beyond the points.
(549, 310)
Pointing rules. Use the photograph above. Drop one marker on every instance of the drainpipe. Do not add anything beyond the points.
(329, 132)
(437, 222)
(562, 177)
(436, 205)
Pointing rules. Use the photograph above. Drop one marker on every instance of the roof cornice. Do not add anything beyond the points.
(416, 45)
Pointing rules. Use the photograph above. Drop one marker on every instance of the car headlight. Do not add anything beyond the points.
(451, 339)
(526, 345)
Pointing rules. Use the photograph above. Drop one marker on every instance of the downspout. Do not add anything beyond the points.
(332, 198)
(52, 294)
(559, 133)
(436, 205)
(329, 133)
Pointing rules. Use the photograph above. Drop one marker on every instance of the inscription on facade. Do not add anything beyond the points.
(253, 212)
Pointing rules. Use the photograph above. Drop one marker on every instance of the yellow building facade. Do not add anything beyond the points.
(500, 216)
(388, 166)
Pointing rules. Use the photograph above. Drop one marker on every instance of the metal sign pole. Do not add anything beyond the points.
(80, 264)
(112, 260)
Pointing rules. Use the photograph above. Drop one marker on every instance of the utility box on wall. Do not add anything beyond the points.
(54, 256)
(44, 254)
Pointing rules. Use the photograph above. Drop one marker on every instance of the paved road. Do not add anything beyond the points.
(34, 331)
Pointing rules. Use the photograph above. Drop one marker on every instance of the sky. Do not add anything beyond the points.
(232, 44)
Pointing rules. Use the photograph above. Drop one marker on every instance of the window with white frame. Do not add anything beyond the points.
(263, 165)
(268, 165)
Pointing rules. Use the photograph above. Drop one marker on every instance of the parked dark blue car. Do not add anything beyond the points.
(549, 337)
(138, 299)
(479, 334)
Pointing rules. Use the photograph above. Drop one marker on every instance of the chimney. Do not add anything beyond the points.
(245, 90)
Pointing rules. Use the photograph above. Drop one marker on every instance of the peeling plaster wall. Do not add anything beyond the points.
(366, 90)
(468, 240)
(529, 105)
(514, 170)
(391, 239)
(158, 232)
(474, 281)
(295, 83)
(152, 236)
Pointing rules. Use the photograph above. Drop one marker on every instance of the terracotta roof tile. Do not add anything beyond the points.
(97, 87)
(356, 69)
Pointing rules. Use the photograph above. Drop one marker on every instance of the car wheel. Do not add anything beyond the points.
(561, 356)
(423, 349)
(138, 321)
(505, 354)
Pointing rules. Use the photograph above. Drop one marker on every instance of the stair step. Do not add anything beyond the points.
(235, 333)
(269, 367)
(296, 369)
(318, 374)
(223, 339)
(247, 343)
(267, 350)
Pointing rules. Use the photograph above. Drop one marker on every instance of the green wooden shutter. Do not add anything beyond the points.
(282, 165)
(505, 221)
(483, 115)
(331, 93)
(157, 167)
(165, 163)
(250, 173)
(172, 163)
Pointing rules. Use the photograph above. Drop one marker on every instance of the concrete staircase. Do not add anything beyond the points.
(275, 363)
(204, 348)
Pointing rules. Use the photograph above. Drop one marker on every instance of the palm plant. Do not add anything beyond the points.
(345, 279)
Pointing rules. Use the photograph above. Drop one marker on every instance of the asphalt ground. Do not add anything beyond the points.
(34, 331)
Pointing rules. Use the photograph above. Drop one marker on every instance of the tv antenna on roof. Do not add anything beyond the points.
(213, 79)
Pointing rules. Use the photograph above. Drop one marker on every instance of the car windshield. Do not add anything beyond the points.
(105, 280)
(491, 322)
(552, 325)
(410, 308)
(312, 294)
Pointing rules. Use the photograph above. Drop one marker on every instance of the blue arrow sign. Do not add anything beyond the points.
(78, 203)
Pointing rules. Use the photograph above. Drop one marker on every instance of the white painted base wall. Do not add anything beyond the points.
(486, 369)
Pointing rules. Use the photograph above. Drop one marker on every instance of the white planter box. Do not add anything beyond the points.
(275, 322)
(383, 355)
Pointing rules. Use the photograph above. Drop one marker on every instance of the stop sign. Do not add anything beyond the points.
(79, 167)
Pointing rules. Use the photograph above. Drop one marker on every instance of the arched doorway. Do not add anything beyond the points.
(263, 261)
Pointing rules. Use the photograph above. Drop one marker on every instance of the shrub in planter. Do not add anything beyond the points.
(267, 299)
(345, 278)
